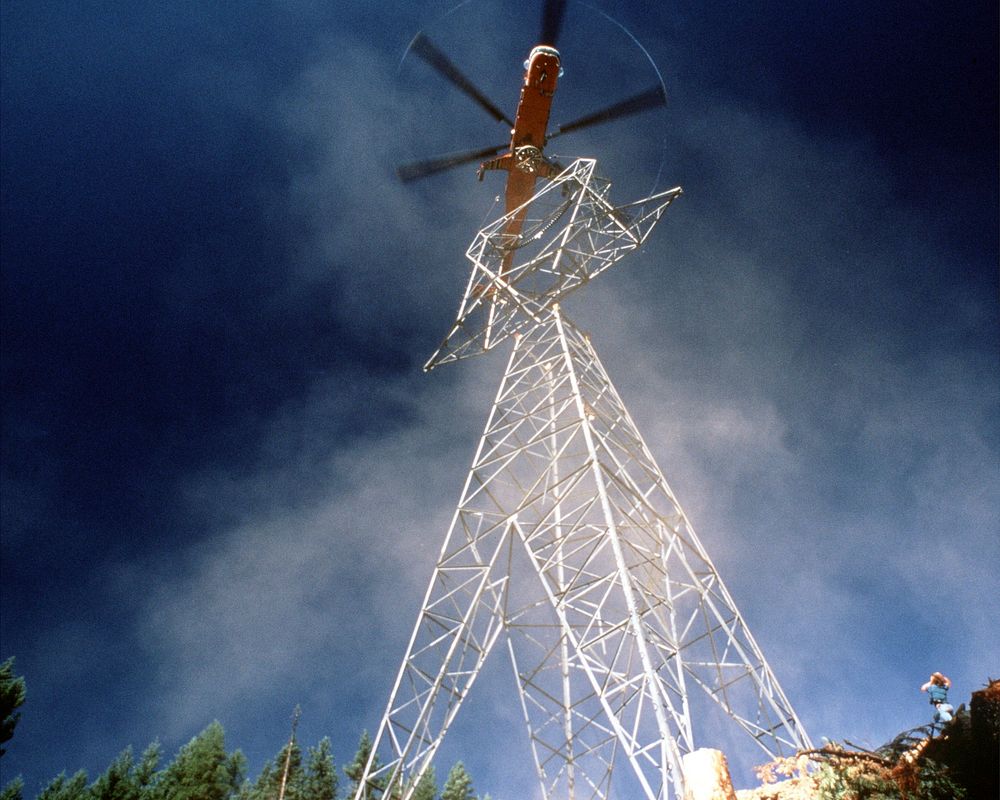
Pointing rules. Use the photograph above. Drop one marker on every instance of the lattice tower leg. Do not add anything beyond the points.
(568, 542)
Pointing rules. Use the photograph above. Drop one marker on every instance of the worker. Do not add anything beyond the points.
(937, 691)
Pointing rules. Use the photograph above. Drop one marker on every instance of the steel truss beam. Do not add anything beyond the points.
(568, 543)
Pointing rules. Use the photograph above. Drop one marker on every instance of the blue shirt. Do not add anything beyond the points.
(938, 693)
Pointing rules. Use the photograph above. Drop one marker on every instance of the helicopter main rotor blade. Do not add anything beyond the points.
(552, 16)
(651, 98)
(422, 46)
(430, 166)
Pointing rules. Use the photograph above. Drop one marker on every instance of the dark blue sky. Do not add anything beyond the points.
(225, 477)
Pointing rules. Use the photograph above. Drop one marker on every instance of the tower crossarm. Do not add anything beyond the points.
(572, 233)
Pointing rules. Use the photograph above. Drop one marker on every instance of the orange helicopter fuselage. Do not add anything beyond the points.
(523, 161)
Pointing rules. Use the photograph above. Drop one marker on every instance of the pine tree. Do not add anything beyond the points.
(289, 757)
(13, 790)
(146, 773)
(426, 788)
(356, 769)
(12, 694)
(459, 784)
(268, 784)
(119, 781)
(63, 788)
(321, 775)
(202, 770)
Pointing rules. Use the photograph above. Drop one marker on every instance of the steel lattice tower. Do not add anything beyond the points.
(568, 545)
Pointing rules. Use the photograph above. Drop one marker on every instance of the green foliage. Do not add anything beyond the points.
(866, 781)
(119, 781)
(459, 784)
(316, 780)
(320, 782)
(290, 757)
(13, 790)
(12, 695)
(145, 773)
(426, 788)
(124, 779)
(936, 783)
(63, 788)
(853, 781)
(202, 770)
(268, 784)
(356, 769)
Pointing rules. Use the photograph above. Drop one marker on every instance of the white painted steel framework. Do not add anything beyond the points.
(571, 234)
(569, 546)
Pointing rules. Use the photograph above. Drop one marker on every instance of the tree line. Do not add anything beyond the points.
(204, 769)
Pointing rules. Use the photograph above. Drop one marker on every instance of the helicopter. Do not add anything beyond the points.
(524, 160)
